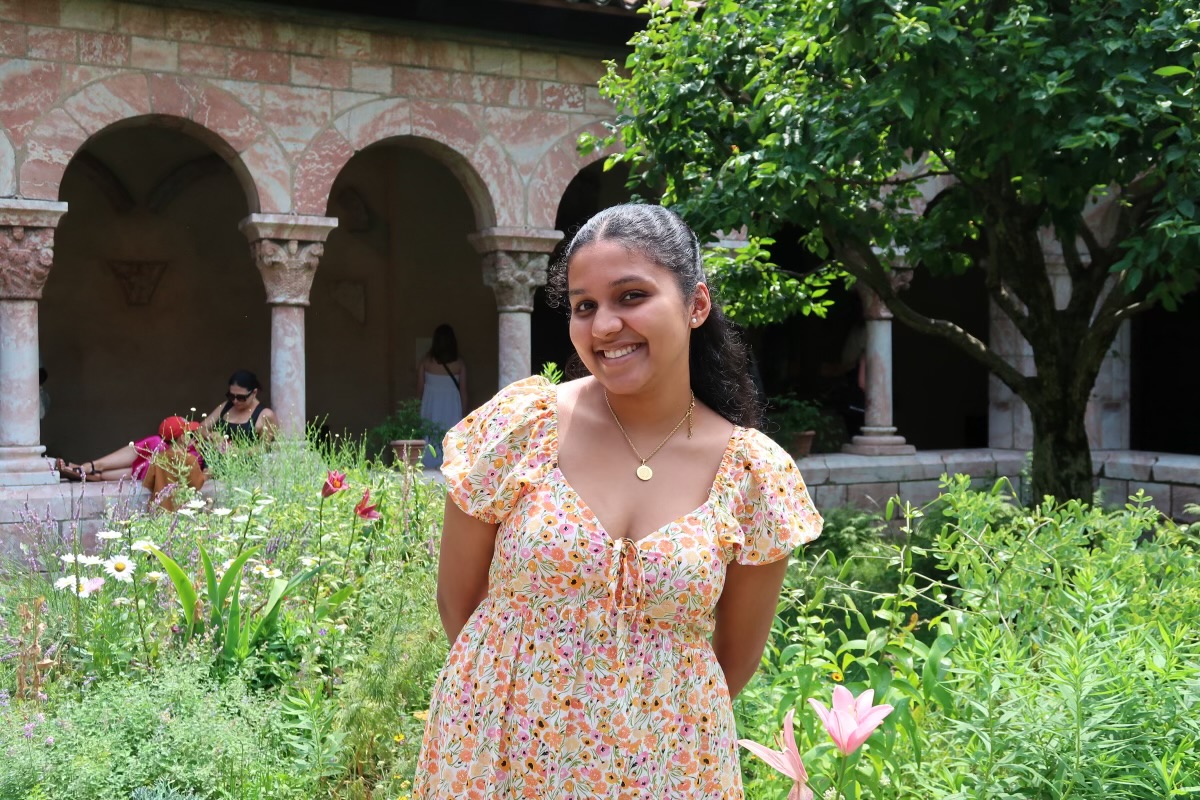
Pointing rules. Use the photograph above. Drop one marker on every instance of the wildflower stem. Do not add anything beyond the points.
(137, 597)
(320, 555)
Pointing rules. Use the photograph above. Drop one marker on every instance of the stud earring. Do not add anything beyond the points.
(694, 320)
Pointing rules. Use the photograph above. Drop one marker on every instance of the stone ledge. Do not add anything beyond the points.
(927, 465)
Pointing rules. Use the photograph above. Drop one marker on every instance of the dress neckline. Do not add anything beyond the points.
(722, 469)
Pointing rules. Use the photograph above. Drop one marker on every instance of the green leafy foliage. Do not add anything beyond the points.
(944, 137)
(1043, 652)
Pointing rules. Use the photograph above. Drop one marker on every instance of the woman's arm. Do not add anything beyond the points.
(466, 555)
(208, 425)
(744, 616)
(267, 425)
(462, 389)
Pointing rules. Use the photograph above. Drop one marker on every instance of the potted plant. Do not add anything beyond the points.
(795, 422)
(405, 431)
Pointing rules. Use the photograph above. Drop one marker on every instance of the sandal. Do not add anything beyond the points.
(75, 472)
(69, 471)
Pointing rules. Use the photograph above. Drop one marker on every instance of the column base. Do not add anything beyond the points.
(25, 466)
(879, 442)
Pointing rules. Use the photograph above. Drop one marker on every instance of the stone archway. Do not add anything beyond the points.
(554, 173)
(153, 299)
(445, 130)
(208, 112)
(398, 264)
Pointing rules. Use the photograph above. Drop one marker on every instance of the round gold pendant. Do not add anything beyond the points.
(645, 473)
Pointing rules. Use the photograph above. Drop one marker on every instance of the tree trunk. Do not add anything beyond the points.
(1062, 457)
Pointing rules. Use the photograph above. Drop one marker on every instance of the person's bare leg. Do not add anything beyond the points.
(112, 467)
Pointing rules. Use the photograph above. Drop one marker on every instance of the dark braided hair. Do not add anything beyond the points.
(718, 358)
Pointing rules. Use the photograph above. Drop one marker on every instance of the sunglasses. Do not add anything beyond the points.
(237, 398)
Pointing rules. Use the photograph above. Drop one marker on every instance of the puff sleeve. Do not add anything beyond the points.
(773, 509)
(496, 451)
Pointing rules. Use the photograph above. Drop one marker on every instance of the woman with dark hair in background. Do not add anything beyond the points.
(613, 547)
(243, 417)
(442, 387)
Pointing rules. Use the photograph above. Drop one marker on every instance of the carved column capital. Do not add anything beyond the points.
(515, 262)
(287, 249)
(288, 267)
(25, 258)
(515, 277)
(26, 246)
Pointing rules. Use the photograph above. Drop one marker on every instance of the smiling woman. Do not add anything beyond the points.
(604, 610)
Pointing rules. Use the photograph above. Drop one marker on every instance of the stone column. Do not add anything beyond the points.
(879, 437)
(286, 250)
(515, 261)
(26, 253)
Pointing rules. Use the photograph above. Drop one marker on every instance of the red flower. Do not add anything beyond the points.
(335, 482)
(363, 509)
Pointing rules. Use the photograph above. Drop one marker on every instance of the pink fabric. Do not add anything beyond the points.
(145, 450)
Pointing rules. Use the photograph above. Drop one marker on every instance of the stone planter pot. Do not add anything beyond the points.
(408, 451)
(802, 444)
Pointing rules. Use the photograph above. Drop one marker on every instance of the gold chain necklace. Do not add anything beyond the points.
(644, 472)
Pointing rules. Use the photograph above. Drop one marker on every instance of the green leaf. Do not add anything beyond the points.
(270, 612)
(210, 577)
(233, 630)
(1172, 71)
(233, 574)
(185, 591)
(931, 672)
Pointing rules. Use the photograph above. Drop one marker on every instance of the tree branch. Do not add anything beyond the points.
(861, 262)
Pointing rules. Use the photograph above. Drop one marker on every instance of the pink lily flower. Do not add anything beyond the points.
(852, 720)
(364, 510)
(335, 482)
(786, 759)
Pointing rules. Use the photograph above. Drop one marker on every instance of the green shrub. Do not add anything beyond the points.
(173, 725)
(1063, 660)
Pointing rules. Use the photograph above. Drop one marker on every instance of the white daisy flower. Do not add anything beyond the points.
(120, 567)
(258, 569)
(272, 573)
(228, 563)
(122, 601)
(195, 503)
(90, 561)
(241, 518)
(108, 535)
(186, 512)
(308, 561)
(82, 588)
(264, 501)
(155, 576)
(68, 558)
(142, 545)
(222, 512)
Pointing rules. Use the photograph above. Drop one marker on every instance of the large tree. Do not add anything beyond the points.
(951, 136)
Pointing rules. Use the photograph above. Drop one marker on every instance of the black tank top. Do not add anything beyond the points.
(239, 430)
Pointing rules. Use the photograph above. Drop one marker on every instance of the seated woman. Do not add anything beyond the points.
(176, 465)
(242, 418)
(132, 460)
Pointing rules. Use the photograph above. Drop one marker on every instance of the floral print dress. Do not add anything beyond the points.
(587, 672)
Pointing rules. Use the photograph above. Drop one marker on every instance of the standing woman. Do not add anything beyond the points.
(613, 547)
(442, 386)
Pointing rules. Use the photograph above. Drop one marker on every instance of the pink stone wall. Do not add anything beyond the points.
(289, 101)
